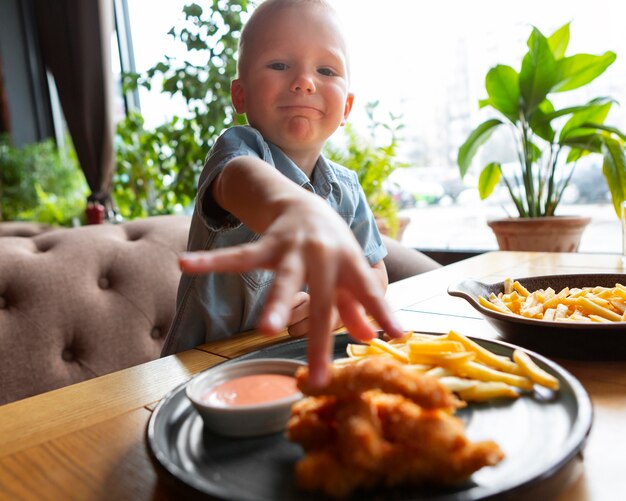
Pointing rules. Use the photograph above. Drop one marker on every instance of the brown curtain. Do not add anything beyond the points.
(4, 106)
(75, 39)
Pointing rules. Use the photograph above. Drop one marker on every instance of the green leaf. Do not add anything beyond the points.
(608, 128)
(575, 154)
(489, 179)
(539, 72)
(540, 121)
(477, 138)
(614, 169)
(559, 41)
(591, 143)
(580, 69)
(590, 114)
(192, 10)
(573, 109)
(502, 83)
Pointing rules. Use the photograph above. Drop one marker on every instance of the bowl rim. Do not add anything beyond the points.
(458, 289)
(232, 365)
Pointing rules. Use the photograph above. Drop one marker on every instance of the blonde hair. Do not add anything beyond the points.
(261, 13)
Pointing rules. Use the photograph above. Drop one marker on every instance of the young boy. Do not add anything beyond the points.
(270, 179)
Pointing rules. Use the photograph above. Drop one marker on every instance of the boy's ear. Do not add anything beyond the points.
(347, 108)
(237, 96)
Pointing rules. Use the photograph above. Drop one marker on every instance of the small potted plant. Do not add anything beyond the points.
(373, 164)
(548, 141)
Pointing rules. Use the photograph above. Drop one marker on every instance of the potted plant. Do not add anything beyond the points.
(548, 141)
(373, 164)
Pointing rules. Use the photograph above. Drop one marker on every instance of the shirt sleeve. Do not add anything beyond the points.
(234, 142)
(365, 229)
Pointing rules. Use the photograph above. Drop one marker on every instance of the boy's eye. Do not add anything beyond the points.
(326, 72)
(278, 66)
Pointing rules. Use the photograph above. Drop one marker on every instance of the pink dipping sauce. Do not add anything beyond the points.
(251, 390)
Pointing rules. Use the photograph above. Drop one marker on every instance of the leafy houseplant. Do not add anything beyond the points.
(549, 141)
(373, 164)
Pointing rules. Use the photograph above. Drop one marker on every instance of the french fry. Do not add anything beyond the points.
(448, 360)
(458, 384)
(533, 371)
(596, 309)
(435, 346)
(521, 289)
(396, 353)
(439, 372)
(489, 305)
(556, 299)
(482, 392)
(362, 350)
(484, 355)
(599, 319)
(482, 372)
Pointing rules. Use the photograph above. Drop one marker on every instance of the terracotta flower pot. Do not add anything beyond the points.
(383, 227)
(549, 234)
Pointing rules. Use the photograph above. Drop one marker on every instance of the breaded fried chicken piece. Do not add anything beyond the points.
(361, 439)
(428, 445)
(386, 374)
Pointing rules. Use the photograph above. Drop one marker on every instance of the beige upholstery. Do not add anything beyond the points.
(82, 302)
(22, 229)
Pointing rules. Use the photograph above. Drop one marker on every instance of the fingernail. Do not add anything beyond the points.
(274, 321)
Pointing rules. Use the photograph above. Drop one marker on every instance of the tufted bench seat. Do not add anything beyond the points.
(82, 302)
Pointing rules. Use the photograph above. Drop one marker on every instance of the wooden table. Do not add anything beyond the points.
(88, 441)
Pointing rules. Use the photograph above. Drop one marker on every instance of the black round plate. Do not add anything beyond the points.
(581, 341)
(541, 435)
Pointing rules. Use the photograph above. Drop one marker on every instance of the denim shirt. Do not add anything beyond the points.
(218, 305)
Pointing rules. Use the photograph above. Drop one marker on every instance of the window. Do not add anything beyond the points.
(428, 62)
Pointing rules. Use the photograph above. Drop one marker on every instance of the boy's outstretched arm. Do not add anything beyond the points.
(304, 241)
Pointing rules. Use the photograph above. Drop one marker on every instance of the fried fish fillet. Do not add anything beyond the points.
(373, 437)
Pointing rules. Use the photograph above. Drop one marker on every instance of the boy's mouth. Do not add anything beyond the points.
(302, 110)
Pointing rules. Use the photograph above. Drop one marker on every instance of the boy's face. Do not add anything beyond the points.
(293, 85)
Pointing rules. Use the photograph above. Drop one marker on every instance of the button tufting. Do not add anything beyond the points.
(103, 283)
(3, 303)
(155, 333)
(67, 355)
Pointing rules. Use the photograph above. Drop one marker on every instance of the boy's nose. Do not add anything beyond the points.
(303, 83)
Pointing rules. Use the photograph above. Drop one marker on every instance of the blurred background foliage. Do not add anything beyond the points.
(158, 168)
(372, 161)
(41, 182)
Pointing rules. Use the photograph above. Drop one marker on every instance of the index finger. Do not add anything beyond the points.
(231, 259)
(367, 291)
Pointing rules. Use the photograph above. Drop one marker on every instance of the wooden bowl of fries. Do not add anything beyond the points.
(578, 316)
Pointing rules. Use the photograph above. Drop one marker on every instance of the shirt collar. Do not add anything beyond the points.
(323, 176)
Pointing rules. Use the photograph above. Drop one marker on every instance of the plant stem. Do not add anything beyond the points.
(551, 202)
(560, 191)
(527, 170)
